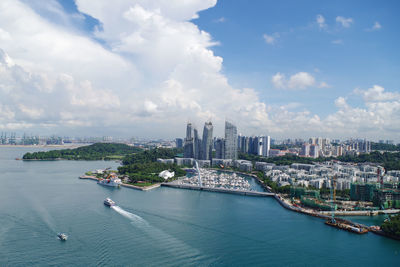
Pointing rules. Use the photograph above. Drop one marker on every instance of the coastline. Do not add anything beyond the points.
(46, 146)
(141, 188)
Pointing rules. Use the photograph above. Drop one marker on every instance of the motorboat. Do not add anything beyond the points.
(109, 202)
(62, 236)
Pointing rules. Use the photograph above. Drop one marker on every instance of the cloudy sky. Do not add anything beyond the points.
(145, 67)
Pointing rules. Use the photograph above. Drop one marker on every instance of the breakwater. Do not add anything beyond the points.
(220, 190)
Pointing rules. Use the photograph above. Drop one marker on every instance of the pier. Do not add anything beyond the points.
(221, 190)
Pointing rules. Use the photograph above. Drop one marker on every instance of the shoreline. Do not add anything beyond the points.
(325, 215)
(141, 188)
(45, 146)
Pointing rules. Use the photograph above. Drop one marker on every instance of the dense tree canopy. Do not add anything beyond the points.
(385, 147)
(96, 151)
(392, 226)
(151, 155)
(389, 160)
(142, 166)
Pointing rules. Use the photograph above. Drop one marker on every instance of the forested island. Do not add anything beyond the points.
(143, 166)
(98, 151)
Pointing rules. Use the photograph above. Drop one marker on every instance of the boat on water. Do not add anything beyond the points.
(347, 226)
(109, 202)
(62, 236)
(111, 180)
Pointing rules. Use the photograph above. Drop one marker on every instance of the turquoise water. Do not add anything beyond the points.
(162, 227)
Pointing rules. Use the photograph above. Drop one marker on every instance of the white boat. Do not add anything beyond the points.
(109, 202)
(62, 236)
(111, 180)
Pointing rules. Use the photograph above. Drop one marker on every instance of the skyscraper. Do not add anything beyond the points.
(197, 144)
(266, 145)
(188, 149)
(207, 142)
(230, 141)
(220, 148)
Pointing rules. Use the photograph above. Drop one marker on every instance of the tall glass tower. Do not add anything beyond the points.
(207, 143)
(230, 141)
(188, 149)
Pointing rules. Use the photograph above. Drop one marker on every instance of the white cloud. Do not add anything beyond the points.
(377, 94)
(377, 26)
(321, 21)
(153, 71)
(297, 81)
(271, 39)
(337, 42)
(220, 20)
(345, 22)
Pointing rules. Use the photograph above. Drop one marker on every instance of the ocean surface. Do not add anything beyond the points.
(161, 227)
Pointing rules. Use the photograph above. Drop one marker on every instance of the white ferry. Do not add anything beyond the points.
(109, 202)
(111, 180)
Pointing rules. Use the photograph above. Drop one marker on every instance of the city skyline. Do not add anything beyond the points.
(140, 68)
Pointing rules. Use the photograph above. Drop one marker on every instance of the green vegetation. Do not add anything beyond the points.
(392, 226)
(283, 160)
(274, 186)
(98, 151)
(151, 155)
(385, 147)
(389, 160)
(143, 167)
(283, 147)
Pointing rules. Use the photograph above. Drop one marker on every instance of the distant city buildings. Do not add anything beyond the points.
(256, 145)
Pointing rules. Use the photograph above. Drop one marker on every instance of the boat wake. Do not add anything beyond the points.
(129, 215)
(164, 240)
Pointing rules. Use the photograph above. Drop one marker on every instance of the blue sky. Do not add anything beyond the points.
(362, 59)
(146, 67)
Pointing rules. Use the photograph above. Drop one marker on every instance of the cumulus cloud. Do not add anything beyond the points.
(271, 39)
(345, 22)
(377, 26)
(321, 21)
(152, 70)
(337, 42)
(297, 81)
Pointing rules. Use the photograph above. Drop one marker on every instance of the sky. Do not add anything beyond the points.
(288, 69)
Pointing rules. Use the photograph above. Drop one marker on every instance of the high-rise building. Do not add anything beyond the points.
(305, 150)
(179, 142)
(197, 144)
(188, 149)
(207, 142)
(230, 141)
(219, 148)
(314, 151)
(266, 145)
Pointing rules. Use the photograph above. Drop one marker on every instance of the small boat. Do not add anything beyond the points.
(62, 236)
(109, 202)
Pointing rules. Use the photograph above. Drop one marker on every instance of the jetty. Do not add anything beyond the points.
(220, 190)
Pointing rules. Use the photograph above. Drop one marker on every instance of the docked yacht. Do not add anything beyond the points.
(62, 236)
(109, 202)
(111, 180)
